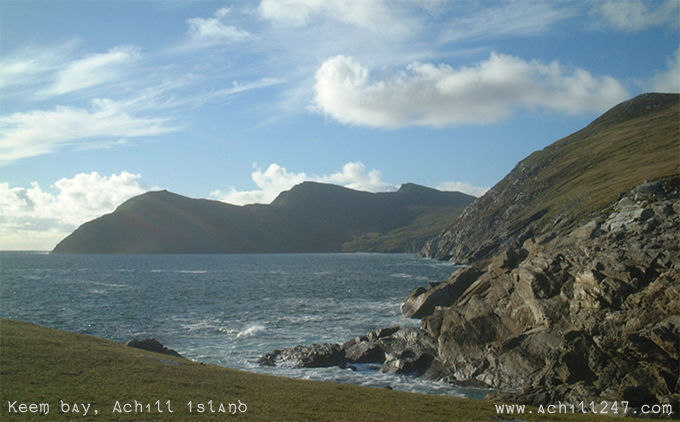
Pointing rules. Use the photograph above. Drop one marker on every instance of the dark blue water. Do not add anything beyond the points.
(223, 309)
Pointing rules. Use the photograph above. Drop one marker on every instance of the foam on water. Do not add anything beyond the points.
(252, 330)
(224, 309)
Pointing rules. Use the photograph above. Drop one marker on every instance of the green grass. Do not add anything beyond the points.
(39, 364)
(580, 175)
(590, 170)
(411, 237)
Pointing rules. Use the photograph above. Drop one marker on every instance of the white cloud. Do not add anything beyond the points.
(464, 187)
(95, 69)
(517, 18)
(636, 15)
(276, 179)
(375, 15)
(35, 219)
(206, 32)
(440, 95)
(236, 88)
(37, 132)
(28, 66)
(668, 81)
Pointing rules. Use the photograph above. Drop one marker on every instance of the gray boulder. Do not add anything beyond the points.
(152, 345)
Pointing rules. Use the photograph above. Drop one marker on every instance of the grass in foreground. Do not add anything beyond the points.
(44, 365)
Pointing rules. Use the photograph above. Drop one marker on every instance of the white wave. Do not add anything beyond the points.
(252, 330)
(112, 285)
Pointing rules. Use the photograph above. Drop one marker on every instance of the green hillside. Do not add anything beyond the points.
(570, 180)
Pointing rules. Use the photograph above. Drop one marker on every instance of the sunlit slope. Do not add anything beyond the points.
(570, 180)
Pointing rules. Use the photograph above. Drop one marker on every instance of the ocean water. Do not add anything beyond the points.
(225, 309)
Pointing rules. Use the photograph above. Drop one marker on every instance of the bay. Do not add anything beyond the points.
(225, 309)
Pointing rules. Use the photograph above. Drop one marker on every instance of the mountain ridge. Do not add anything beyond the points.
(569, 180)
(310, 217)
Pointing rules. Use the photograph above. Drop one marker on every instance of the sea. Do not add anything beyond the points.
(226, 309)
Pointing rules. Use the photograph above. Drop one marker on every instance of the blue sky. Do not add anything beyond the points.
(239, 100)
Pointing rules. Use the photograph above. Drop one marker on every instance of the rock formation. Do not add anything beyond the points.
(402, 350)
(152, 345)
(559, 187)
(572, 292)
(593, 315)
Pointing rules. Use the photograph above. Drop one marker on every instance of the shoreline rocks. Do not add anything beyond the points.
(588, 315)
(152, 345)
(593, 314)
(401, 350)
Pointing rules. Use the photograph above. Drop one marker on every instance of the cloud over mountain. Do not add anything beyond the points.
(426, 94)
(276, 179)
(32, 217)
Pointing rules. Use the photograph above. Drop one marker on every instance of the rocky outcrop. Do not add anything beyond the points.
(554, 190)
(403, 350)
(152, 345)
(572, 292)
(590, 315)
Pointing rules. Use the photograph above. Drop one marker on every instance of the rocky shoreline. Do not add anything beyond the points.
(588, 314)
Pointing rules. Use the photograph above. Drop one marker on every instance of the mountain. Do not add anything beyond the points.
(572, 292)
(554, 189)
(310, 217)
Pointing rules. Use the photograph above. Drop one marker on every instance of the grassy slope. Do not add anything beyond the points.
(40, 364)
(592, 167)
(407, 238)
(575, 178)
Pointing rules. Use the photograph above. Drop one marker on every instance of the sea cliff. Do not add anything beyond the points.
(571, 290)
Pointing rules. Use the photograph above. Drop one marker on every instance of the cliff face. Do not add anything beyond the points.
(552, 190)
(573, 287)
(592, 315)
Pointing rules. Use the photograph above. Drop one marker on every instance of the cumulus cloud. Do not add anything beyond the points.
(95, 69)
(668, 81)
(37, 132)
(206, 32)
(36, 219)
(439, 95)
(464, 187)
(276, 179)
(636, 15)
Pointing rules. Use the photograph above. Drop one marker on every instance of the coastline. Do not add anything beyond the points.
(45, 365)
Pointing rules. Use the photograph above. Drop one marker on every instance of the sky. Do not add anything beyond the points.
(239, 100)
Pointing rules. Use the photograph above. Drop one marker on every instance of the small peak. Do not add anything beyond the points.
(413, 188)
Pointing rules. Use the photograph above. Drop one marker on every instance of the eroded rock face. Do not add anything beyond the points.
(588, 315)
(591, 315)
(314, 356)
(404, 350)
